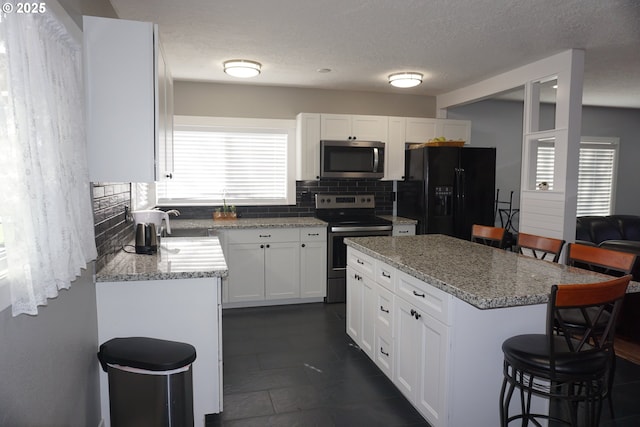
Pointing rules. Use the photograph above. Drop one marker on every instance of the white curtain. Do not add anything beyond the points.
(45, 204)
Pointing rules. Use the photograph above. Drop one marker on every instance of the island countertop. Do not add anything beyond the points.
(177, 258)
(482, 276)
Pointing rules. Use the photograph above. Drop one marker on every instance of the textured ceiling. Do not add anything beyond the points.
(452, 42)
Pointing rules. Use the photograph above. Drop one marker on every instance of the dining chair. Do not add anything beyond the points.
(541, 247)
(560, 366)
(487, 235)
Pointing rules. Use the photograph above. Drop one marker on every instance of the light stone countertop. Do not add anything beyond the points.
(178, 258)
(240, 223)
(482, 276)
(398, 220)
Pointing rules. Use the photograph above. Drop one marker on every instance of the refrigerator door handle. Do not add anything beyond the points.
(462, 189)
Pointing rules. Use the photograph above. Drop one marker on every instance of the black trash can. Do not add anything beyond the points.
(150, 382)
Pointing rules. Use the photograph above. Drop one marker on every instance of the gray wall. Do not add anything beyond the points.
(499, 124)
(49, 364)
(224, 100)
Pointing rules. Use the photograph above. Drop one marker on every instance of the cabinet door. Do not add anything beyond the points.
(282, 270)
(120, 85)
(313, 269)
(383, 354)
(335, 126)
(432, 369)
(308, 146)
(406, 349)
(367, 340)
(420, 130)
(394, 154)
(457, 130)
(370, 128)
(246, 272)
(354, 304)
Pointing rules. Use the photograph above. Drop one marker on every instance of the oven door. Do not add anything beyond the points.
(337, 250)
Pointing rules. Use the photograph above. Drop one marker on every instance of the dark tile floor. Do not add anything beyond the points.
(295, 366)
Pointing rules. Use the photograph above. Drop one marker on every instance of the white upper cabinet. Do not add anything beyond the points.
(307, 146)
(420, 130)
(129, 102)
(353, 127)
(457, 130)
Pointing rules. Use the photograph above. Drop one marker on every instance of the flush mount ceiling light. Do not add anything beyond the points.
(242, 68)
(405, 79)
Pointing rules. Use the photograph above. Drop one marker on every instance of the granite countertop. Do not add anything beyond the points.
(479, 275)
(398, 220)
(177, 258)
(281, 222)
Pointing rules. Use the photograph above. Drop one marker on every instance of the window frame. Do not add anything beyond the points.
(200, 123)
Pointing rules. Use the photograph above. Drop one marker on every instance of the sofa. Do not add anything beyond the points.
(622, 233)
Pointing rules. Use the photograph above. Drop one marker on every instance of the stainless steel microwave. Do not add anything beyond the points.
(351, 159)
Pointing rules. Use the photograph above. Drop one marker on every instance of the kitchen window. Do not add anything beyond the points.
(597, 172)
(240, 161)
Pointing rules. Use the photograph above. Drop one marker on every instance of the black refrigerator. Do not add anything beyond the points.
(448, 189)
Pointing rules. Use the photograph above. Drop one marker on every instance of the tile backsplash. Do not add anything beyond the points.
(305, 200)
(111, 200)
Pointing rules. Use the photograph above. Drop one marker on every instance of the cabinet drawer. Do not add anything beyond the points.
(363, 263)
(385, 275)
(433, 301)
(404, 230)
(313, 234)
(384, 311)
(260, 235)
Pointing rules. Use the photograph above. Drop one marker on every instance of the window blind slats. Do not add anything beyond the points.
(595, 176)
(212, 165)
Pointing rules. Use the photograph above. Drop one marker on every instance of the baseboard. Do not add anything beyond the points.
(266, 303)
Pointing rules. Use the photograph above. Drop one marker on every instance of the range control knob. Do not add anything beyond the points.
(362, 200)
(369, 199)
(321, 200)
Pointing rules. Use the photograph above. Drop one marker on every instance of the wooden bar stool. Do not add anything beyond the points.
(486, 235)
(561, 366)
(541, 247)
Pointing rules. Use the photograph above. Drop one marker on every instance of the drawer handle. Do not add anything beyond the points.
(359, 262)
(384, 274)
(403, 231)
(418, 294)
(265, 235)
(382, 351)
(382, 309)
(313, 234)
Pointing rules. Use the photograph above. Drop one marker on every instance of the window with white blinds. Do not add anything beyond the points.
(597, 172)
(247, 166)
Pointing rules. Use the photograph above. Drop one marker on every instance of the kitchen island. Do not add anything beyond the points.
(173, 295)
(432, 311)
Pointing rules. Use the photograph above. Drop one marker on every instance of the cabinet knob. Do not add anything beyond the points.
(169, 175)
(268, 246)
(261, 246)
(303, 245)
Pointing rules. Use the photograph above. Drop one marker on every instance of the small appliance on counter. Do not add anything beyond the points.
(152, 216)
(146, 239)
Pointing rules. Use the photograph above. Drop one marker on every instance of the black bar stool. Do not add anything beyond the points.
(561, 365)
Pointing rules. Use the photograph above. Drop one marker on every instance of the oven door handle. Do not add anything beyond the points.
(341, 229)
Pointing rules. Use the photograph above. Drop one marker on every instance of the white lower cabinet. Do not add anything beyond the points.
(421, 347)
(402, 324)
(275, 264)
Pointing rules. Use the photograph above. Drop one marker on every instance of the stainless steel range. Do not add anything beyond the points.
(347, 216)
